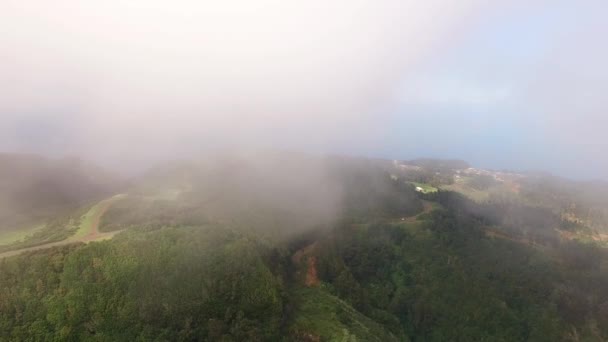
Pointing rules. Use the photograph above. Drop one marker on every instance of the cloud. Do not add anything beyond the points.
(155, 79)
(140, 76)
(453, 93)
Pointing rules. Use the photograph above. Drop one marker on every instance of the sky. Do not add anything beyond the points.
(502, 84)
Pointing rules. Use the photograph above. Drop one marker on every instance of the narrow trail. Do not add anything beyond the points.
(91, 233)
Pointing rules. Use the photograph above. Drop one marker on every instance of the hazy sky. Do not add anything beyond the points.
(507, 85)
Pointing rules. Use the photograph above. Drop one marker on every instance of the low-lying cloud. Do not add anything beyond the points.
(118, 77)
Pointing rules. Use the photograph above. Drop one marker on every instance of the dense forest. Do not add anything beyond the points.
(279, 251)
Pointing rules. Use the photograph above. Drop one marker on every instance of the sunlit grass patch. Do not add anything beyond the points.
(424, 188)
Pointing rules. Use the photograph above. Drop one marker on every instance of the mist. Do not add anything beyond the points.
(132, 83)
(281, 170)
(147, 78)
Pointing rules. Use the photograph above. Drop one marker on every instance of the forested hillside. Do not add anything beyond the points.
(300, 248)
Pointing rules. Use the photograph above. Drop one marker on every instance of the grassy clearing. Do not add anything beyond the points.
(70, 231)
(16, 235)
(90, 221)
(86, 222)
(426, 188)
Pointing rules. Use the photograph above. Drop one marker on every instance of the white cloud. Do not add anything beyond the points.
(452, 92)
(232, 71)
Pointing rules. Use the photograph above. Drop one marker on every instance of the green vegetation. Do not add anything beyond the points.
(426, 188)
(132, 211)
(58, 229)
(429, 292)
(80, 226)
(12, 236)
(237, 255)
(170, 284)
(90, 221)
(329, 318)
(87, 221)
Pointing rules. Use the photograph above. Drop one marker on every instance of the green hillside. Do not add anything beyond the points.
(298, 248)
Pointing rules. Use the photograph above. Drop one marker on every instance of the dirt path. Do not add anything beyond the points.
(84, 234)
(34, 248)
(92, 233)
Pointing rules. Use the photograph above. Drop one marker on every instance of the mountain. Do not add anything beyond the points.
(293, 247)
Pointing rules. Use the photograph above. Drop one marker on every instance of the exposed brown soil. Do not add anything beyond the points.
(95, 233)
(311, 273)
(305, 255)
